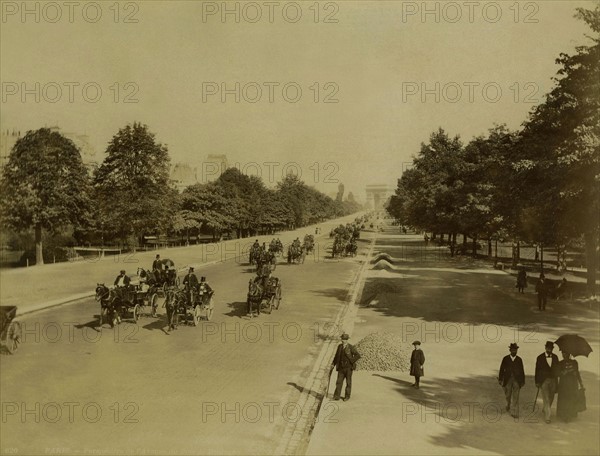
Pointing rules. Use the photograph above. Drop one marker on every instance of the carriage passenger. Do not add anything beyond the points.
(122, 283)
(204, 287)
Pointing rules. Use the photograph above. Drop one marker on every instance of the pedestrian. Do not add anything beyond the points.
(569, 386)
(541, 288)
(417, 359)
(546, 377)
(521, 280)
(345, 362)
(512, 378)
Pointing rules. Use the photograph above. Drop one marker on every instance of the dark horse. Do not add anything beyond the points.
(255, 297)
(174, 299)
(110, 305)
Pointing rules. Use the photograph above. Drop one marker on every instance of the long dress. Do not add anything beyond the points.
(568, 386)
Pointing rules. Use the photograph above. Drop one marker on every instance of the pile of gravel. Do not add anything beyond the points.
(383, 352)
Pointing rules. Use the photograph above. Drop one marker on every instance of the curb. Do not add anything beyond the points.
(86, 295)
(295, 431)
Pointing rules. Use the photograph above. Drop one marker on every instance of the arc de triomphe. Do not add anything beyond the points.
(377, 196)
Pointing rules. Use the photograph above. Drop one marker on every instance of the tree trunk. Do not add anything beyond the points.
(591, 261)
(541, 258)
(474, 245)
(464, 241)
(39, 255)
(496, 253)
(489, 247)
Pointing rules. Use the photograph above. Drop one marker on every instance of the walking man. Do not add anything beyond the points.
(541, 288)
(512, 378)
(345, 362)
(546, 376)
(417, 359)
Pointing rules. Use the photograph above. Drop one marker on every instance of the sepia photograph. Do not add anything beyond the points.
(300, 228)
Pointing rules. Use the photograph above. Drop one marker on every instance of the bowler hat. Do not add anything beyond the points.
(345, 336)
(416, 342)
(191, 270)
(122, 271)
(513, 345)
(202, 279)
(549, 344)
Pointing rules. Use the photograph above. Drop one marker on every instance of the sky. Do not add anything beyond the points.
(336, 92)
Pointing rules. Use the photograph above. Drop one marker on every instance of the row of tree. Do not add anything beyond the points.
(540, 184)
(46, 188)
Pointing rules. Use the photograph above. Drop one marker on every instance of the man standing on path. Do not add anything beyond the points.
(345, 362)
(541, 288)
(417, 359)
(512, 378)
(546, 375)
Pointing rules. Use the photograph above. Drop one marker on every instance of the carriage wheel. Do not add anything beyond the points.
(177, 281)
(154, 304)
(271, 304)
(164, 288)
(136, 313)
(209, 309)
(196, 314)
(13, 336)
(278, 297)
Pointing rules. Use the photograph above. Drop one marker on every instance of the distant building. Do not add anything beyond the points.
(82, 142)
(8, 139)
(183, 175)
(212, 168)
(378, 196)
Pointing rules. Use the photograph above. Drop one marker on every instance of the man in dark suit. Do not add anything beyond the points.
(122, 284)
(541, 288)
(122, 279)
(190, 281)
(546, 375)
(512, 378)
(345, 362)
(417, 359)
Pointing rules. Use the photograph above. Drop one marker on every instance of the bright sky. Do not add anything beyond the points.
(376, 60)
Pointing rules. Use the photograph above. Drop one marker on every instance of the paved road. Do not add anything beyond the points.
(35, 287)
(228, 386)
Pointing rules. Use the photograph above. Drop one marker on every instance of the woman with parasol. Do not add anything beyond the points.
(571, 396)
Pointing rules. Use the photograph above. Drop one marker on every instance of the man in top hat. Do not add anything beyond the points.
(156, 264)
(512, 378)
(345, 362)
(190, 281)
(417, 359)
(204, 288)
(546, 377)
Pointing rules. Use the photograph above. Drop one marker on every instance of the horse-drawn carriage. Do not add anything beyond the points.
(265, 259)
(160, 279)
(309, 243)
(120, 303)
(296, 254)
(263, 292)
(189, 304)
(276, 247)
(344, 247)
(10, 329)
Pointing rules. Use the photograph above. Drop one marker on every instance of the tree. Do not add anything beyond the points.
(562, 140)
(44, 185)
(132, 186)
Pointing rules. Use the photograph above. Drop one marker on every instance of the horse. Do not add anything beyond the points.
(110, 304)
(295, 254)
(174, 299)
(255, 296)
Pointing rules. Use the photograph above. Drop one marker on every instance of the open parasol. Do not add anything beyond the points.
(573, 344)
(167, 262)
